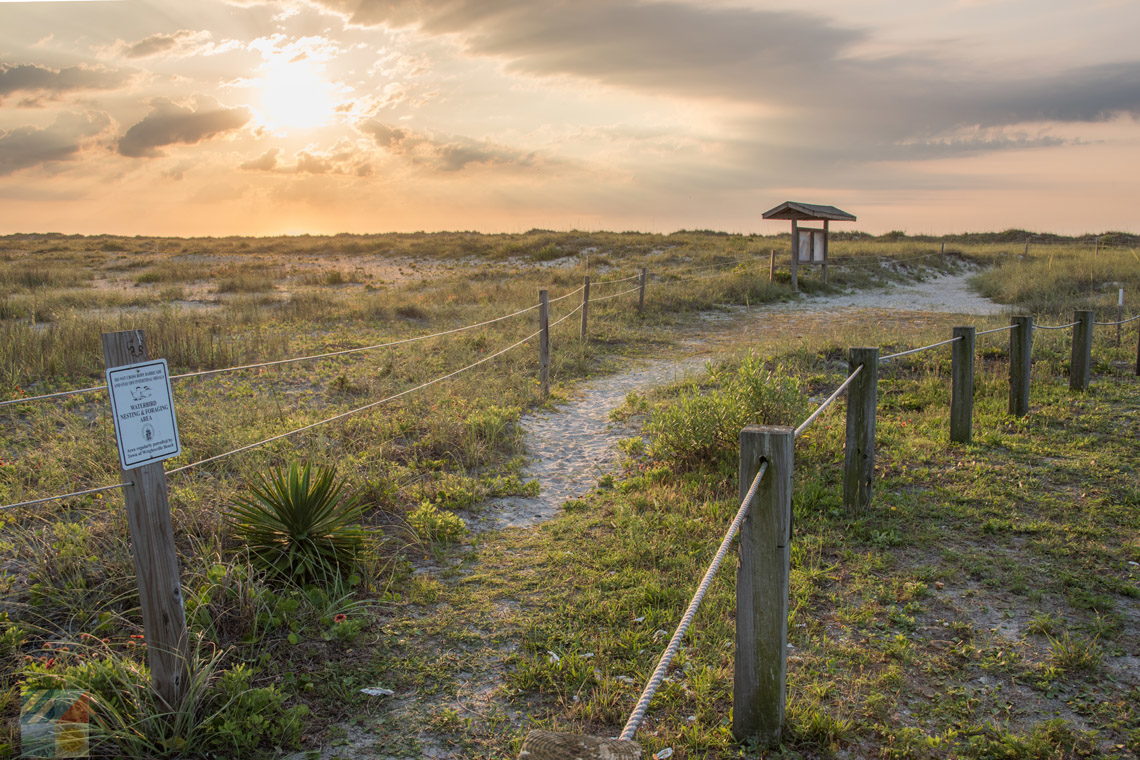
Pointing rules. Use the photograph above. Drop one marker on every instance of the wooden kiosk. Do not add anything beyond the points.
(809, 244)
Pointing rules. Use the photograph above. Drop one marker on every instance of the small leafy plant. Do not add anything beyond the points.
(299, 524)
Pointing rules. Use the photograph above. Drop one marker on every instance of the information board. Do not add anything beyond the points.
(142, 406)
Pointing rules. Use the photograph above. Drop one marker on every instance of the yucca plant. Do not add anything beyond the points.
(299, 524)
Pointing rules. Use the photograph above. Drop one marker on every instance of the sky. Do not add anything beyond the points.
(256, 117)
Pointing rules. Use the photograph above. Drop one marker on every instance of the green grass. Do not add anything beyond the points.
(68, 570)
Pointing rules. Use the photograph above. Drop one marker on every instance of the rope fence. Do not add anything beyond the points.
(773, 461)
(827, 402)
(888, 357)
(654, 683)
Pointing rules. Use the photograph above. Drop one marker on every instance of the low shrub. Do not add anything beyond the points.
(299, 524)
(701, 427)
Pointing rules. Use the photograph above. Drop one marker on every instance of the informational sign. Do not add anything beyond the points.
(811, 248)
(142, 406)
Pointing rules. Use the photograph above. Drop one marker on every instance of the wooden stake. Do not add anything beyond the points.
(152, 548)
(825, 246)
(1080, 364)
(544, 342)
(642, 277)
(962, 385)
(585, 306)
(859, 454)
(772, 265)
(1020, 364)
(759, 686)
(795, 256)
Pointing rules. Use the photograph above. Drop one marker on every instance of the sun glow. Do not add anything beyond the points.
(295, 95)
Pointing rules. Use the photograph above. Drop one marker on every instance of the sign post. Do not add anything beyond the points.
(147, 433)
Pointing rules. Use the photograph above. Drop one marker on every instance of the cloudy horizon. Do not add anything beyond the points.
(323, 116)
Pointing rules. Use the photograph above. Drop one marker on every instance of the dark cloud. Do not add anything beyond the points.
(41, 79)
(25, 147)
(168, 123)
(801, 66)
(446, 154)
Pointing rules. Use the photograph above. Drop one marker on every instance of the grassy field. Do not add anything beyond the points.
(301, 654)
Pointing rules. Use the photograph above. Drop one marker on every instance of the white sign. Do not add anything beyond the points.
(143, 409)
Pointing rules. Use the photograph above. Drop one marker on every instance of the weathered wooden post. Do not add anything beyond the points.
(1020, 363)
(544, 342)
(795, 256)
(759, 685)
(826, 237)
(152, 549)
(1119, 315)
(962, 385)
(641, 278)
(1080, 363)
(859, 453)
(772, 265)
(585, 306)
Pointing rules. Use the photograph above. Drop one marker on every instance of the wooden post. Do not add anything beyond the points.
(1080, 364)
(759, 686)
(795, 256)
(1138, 349)
(962, 379)
(772, 265)
(152, 548)
(1026, 247)
(943, 248)
(825, 246)
(1119, 315)
(859, 454)
(642, 277)
(544, 342)
(1020, 363)
(585, 306)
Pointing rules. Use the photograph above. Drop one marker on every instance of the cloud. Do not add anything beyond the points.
(266, 162)
(169, 123)
(25, 147)
(183, 42)
(444, 153)
(801, 73)
(344, 158)
(33, 78)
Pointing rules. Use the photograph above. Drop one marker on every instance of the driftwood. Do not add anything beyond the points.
(548, 745)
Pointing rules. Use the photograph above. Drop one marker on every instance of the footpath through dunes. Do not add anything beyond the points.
(573, 445)
(446, 653)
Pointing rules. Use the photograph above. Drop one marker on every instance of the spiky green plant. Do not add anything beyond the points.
(299, 524)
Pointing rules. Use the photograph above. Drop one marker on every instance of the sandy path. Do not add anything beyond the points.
(572, 446)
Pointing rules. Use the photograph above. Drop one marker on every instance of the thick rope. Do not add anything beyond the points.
(65, 496)
(351, 412)
(638, 714)
(916, 350)
(830, 399)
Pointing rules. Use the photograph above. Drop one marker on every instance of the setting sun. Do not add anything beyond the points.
(295, 95)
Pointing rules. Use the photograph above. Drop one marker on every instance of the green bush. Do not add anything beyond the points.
(299, 525)
(221, 715)
(701, 428)
(436, 526)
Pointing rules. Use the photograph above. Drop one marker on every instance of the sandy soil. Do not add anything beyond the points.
(572, 446)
